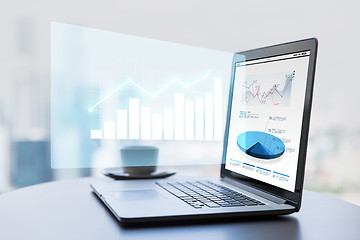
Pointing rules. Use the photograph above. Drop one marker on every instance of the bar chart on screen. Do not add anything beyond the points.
(195, 118)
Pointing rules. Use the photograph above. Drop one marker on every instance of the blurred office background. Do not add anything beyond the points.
(333, 162)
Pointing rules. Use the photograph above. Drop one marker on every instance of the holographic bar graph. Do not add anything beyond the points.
(197, 119)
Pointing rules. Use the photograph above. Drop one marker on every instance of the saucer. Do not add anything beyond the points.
(118, 174)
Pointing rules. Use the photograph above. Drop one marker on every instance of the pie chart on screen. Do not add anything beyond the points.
(260, 145)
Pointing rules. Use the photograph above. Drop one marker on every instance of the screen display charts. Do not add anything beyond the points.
(260, 145)
(272, 89)
(266, 118)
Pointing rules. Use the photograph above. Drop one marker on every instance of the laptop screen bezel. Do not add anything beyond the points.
(293, 198)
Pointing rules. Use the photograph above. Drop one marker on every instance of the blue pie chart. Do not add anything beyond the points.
(260, 145)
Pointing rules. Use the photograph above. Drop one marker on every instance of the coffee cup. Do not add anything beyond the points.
(139, 160)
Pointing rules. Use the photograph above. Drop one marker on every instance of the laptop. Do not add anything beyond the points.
(264, 147)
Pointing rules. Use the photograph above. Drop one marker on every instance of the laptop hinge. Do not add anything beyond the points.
(252, 190)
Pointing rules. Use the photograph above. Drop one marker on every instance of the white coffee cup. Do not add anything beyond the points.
(139, 160)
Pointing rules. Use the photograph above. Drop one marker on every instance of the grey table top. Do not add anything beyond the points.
(69, 210)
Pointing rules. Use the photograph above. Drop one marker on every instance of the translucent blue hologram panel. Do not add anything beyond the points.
(110, 91)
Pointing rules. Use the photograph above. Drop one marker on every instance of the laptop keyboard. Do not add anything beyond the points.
(200, 194)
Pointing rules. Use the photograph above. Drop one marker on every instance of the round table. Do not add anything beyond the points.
(70, 210)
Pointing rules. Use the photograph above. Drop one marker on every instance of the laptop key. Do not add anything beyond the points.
(175, 191)
(251, 204)
(237, 204)
(226, 205)
(212, 204)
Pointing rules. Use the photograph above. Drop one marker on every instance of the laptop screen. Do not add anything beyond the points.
(266, 118)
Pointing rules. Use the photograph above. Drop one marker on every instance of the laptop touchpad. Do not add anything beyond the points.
(136, 195)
